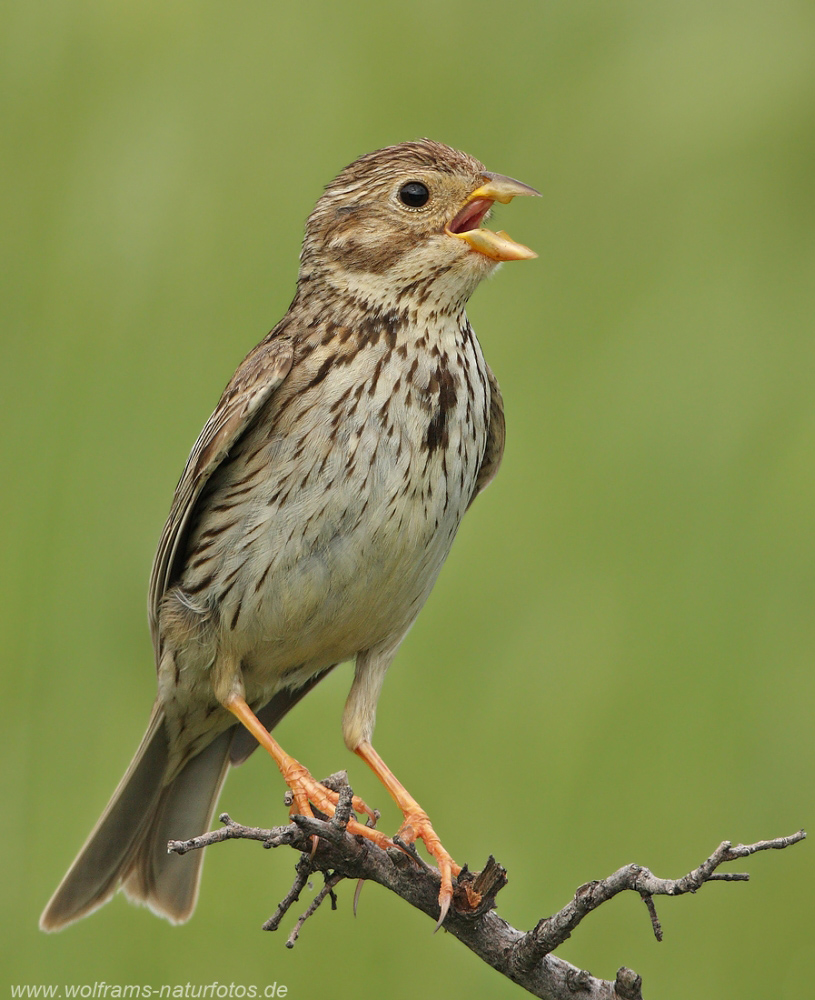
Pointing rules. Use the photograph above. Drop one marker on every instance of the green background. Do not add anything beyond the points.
(616, 664)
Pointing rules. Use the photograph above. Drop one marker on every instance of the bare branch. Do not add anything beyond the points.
(303, 869)
(551, 932)
(277, 836)
(525, 958)
(327, 890)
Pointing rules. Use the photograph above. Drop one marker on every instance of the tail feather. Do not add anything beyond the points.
(94, 876)
(128, 846)
(129, 843)
(168, 883)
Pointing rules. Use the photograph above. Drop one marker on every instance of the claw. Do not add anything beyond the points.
(358, 893)
(444, 908)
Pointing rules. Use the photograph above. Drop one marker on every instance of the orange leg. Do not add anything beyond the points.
(416, 826)
(305, 789)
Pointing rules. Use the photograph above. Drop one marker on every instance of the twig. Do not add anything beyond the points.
(327, 890)
(648, 899)
(526, 958)
(551, 932)
(303, 869)
(277, 836)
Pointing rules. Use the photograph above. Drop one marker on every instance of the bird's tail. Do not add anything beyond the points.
(128, 846)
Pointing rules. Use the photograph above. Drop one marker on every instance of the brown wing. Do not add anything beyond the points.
(260, 373)
(496, 435)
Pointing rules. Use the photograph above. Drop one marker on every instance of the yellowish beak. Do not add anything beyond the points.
(466, 225)
(503, 189)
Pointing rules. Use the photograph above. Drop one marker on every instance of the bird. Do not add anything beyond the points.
(313, 516)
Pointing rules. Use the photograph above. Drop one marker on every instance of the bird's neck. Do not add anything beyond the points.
(377, 319)
(424, 297)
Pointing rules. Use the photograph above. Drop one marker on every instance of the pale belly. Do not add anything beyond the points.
(347, 567)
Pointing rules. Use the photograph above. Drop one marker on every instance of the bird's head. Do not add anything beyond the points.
(406, 220)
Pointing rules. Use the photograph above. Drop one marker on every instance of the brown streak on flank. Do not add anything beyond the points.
(361, 512)
(341, 399)
(235, 617)
(251, 472)
(239, 493)
(377, 372)
(444, 383)
(320, 512)
(230, 577)
(198, 587)
(249, 459)
(248, 540)
(372, 460)
(201, 559)
(221, 507)
(464, 368)
(323, 464)
(321, 373)
(262, 577)
(202, 546)
(218, 529)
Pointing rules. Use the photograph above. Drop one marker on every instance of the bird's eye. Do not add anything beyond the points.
(413, 194)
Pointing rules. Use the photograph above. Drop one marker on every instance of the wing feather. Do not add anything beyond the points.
(252, 385)
(496, 435)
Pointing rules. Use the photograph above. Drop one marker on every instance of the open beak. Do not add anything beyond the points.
(466, 225)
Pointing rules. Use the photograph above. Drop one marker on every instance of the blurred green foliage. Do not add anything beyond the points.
(616, 664)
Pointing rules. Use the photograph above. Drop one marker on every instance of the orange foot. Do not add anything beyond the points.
(416, 826)
(306, 790)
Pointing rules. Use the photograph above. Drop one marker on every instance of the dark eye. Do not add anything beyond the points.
(414, 194)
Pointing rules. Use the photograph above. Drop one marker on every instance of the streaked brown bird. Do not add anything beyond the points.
(314, 514)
